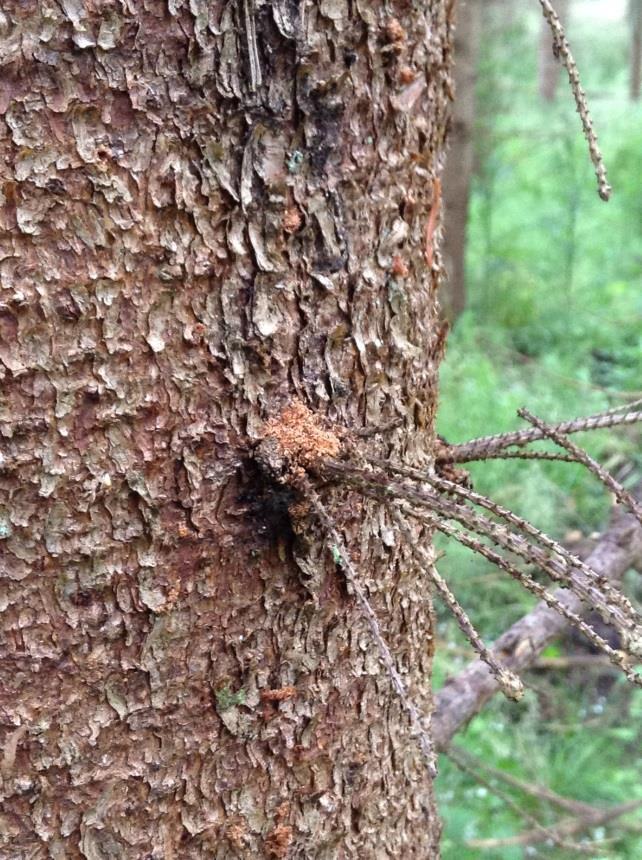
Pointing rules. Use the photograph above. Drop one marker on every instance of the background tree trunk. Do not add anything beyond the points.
(635, 75)
(209, 209)
(458, 171)
(549, 66)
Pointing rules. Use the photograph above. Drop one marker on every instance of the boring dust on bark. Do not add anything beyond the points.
(210, 209)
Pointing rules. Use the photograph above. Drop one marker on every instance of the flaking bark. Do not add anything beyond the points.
(208, 210)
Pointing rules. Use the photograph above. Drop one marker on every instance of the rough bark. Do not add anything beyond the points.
(549, 66)
(209, 209)
(635, 72)
(458, 170)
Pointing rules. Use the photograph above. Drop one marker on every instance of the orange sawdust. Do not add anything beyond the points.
(301, 440)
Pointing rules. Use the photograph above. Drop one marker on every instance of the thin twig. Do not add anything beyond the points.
(562, 49)
(377, 489)
(619, 612)
(472, 450)
(482, 525)
(544, 832)
(572, 661)
(543, 793)
(628, 406)
(524, 455)
(508, 681)
(616, 657)
(621, 494)
(567, 827)
(463, 696)
(380, 429)
(341, 555)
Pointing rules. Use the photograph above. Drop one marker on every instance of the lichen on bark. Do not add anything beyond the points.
(204, 206)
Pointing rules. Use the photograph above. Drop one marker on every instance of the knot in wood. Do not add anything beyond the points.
(295, 442)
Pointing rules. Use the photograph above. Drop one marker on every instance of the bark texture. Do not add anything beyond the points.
(209, 208)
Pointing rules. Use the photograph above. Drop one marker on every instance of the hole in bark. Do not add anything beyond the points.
(267, 505)
(349, 58)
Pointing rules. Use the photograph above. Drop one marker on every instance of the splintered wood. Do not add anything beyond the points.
(299, 440)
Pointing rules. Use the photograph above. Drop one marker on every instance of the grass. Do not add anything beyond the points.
(554, 323)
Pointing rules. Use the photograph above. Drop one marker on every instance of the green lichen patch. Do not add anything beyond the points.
(226, 698)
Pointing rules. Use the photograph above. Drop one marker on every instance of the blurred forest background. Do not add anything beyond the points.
(551, 319)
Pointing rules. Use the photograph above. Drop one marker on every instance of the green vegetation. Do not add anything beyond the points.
(554, 323)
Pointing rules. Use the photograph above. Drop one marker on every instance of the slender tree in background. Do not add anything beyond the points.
(635, 73)
(210, 209)
(549, 67)
(458, 171)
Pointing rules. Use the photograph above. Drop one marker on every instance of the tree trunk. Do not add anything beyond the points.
(549, 66)
(210, 209)
(458, 171)
(635, 12)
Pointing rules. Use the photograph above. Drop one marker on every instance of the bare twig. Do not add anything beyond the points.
(367, 432)
(635, 404)
(586, 582)
(617, 658)
(545, 833)
(563, 50)
(567, 827)
(621, 494)
(342, 557)
(509, 683)
(515, 543)
(572, 661)
(448, 510)
(525, 455)
(463, 696)
(479, 448)
(543, 793)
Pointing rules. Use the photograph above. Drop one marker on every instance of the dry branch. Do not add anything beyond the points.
(567, 827)
(527, 455)
(481, 448)
(596, 590)
(509, 683)
(540, 792)
(579, 454)
(559, 570)
(342, 557)
(544, 833)
(463, 696)
(562, 50)
(617, 658)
